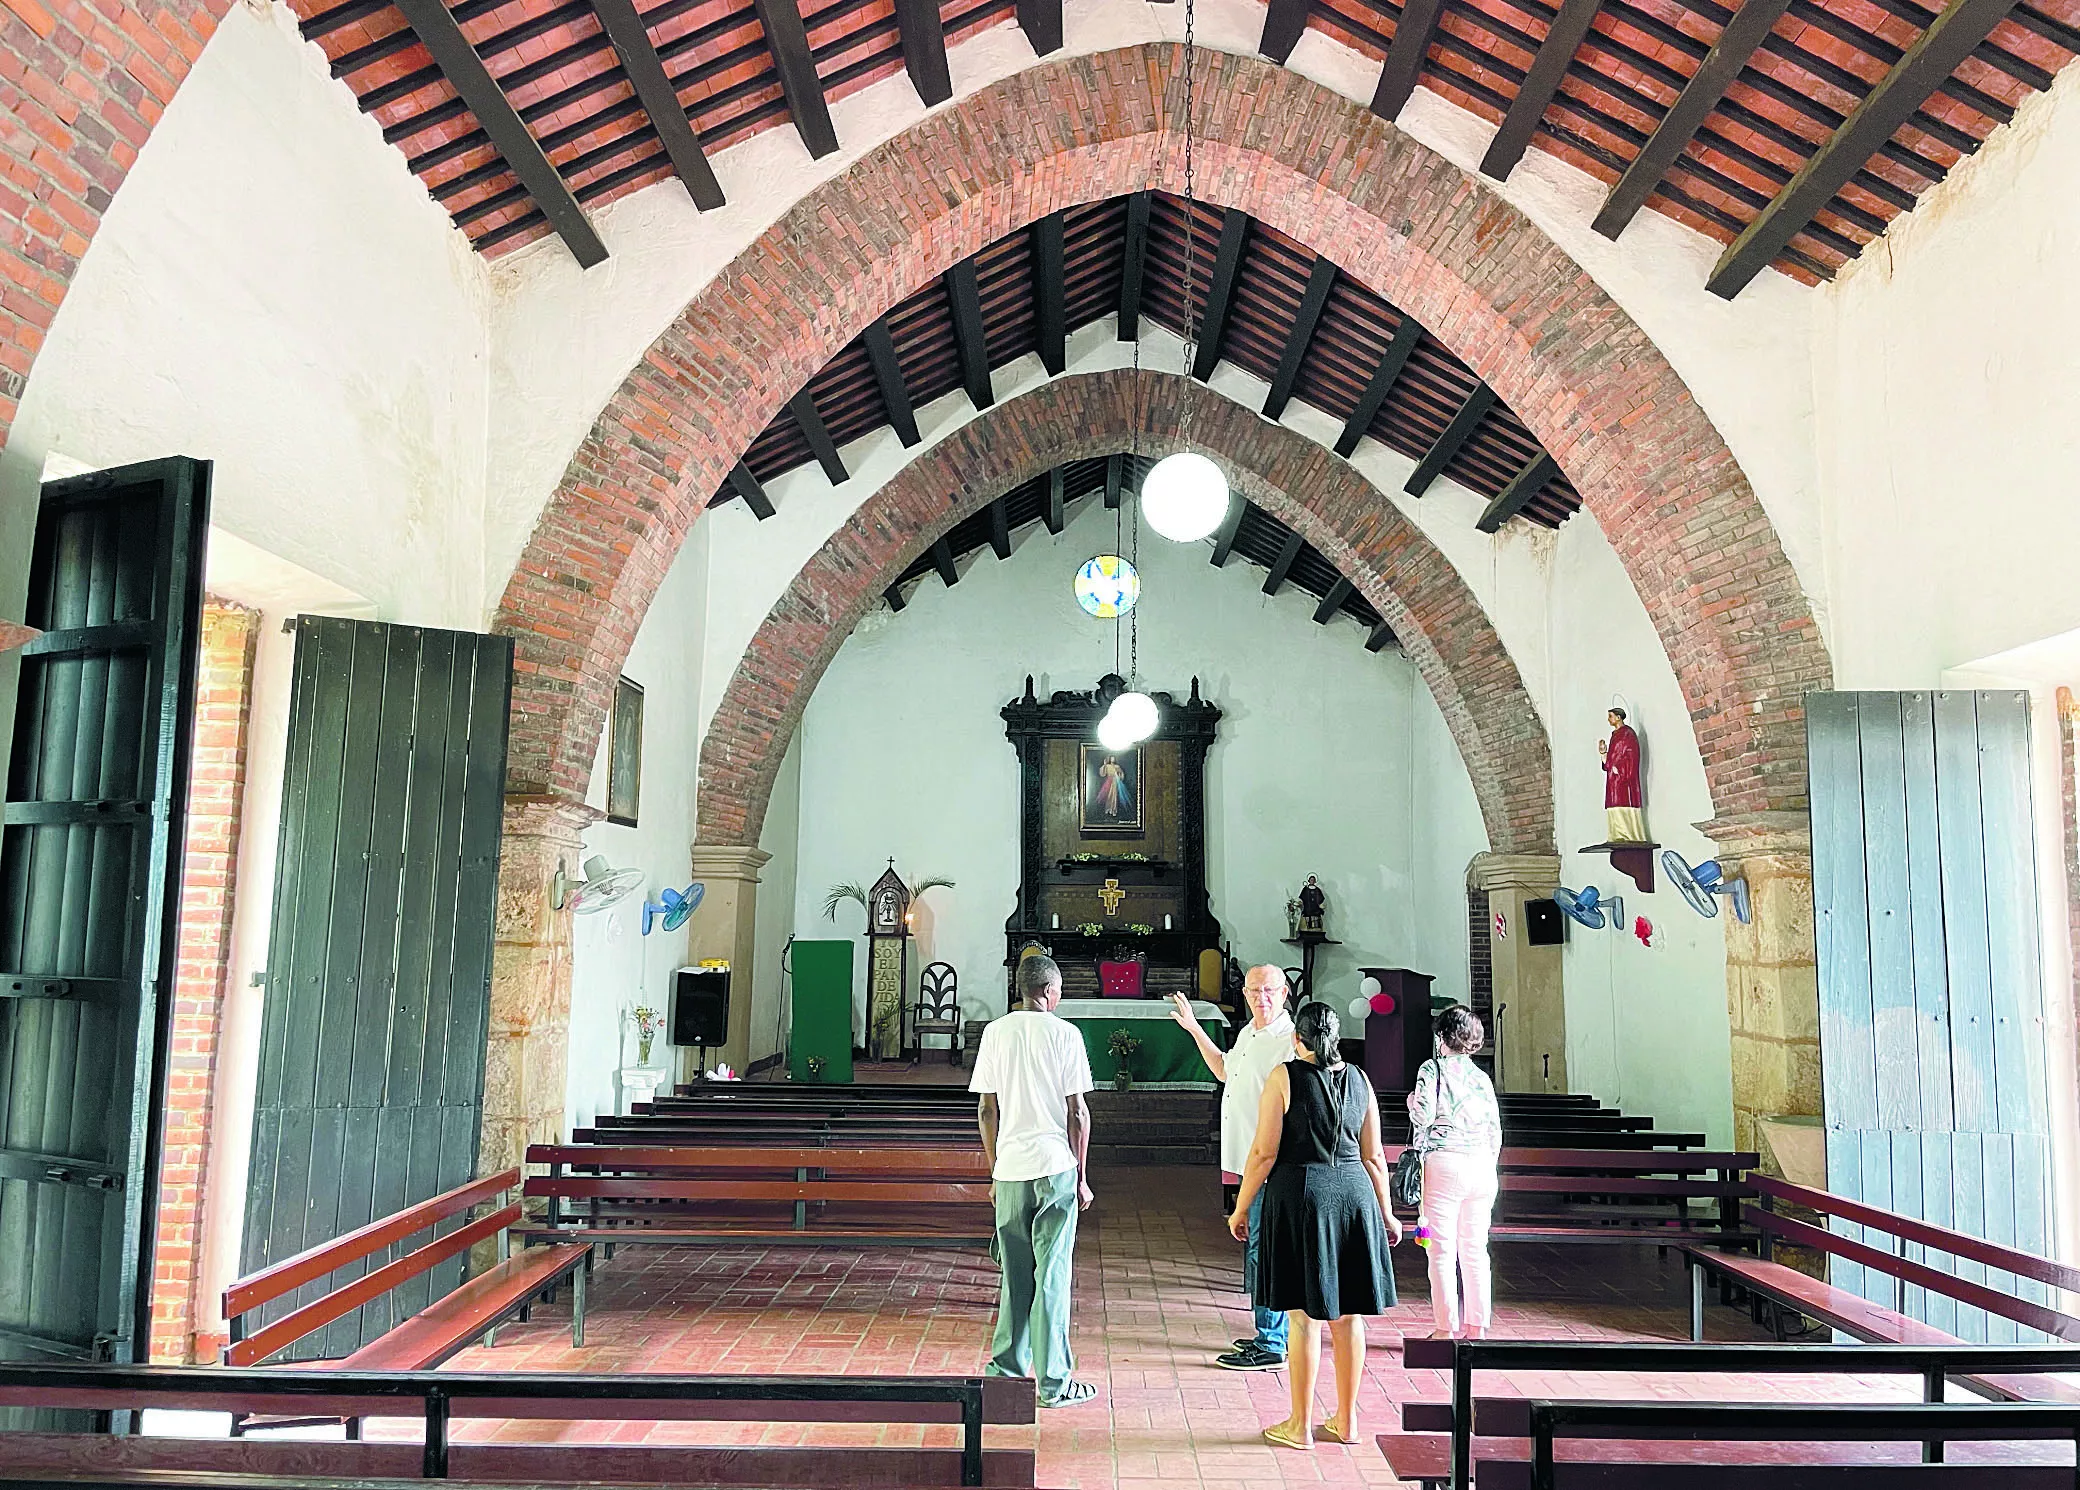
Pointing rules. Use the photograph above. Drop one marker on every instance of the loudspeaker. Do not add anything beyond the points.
(700, 1006)
(1544, 926)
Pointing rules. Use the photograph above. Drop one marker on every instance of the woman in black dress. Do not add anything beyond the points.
(1327, 1224)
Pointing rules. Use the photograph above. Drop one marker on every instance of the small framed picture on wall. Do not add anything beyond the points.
(625, 755)
(1111, 792)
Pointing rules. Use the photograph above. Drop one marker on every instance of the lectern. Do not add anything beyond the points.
(1396, 1044)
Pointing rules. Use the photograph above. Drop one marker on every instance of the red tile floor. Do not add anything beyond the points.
(1157, 1295)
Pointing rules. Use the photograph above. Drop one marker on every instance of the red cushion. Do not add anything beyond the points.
(1120, 980)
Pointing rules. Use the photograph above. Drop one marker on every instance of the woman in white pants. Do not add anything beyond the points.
(1457, 1128)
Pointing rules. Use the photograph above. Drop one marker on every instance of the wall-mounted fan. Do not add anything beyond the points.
(674, 908)
(603, 886)
(1587, 907)
(1704, 884)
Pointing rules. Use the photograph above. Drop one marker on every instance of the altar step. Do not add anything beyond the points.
(1144, 1127)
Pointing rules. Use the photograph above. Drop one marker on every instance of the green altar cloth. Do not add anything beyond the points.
(1168, 1059)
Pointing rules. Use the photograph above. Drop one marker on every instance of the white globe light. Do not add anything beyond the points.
(1185, 497)
(1112, 734)
(1135, 715)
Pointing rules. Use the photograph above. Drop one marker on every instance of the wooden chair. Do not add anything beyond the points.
(938, 1009)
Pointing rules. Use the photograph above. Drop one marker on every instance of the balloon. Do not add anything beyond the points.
(1359, 1008)
(1369, 987)
(1382, 1003)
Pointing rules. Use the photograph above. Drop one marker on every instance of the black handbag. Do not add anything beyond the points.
(1405, 1183)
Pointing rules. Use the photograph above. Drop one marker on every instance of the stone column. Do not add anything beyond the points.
(1773, 992)
(1526, 978)
(726, 927)
(529, 1035)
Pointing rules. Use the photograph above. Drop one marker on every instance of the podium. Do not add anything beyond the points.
(822, 974)
(1397, 1044)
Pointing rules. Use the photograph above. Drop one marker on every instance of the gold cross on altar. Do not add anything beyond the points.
(1112, 895)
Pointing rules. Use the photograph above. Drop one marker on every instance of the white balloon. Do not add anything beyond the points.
(1370, 988)
(1360, 1008)
(1185, 497)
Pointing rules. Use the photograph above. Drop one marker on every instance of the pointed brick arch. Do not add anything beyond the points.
(1584, 378)
(1441, 625)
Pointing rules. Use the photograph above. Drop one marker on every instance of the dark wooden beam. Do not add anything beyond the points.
(924, 49)
(1439, 455)
(1539, 86)
(942, 560)
(1714, 75)
(1220, 292)
(788, 40)
(1284, 24)
(1382, 637)
(1049, 294)
(1413, 34)
(1320, 281)
(964, 292)
(1041, 20)
(1224, 541)
(654, 91)
(1381, 383)
(888, 374)
(1936, 53)
(459, 63)
(1113, 481)
(821, 445)
(1333, 601)
(1132, 262)
(894, 596)
(747, 486)
(1055, 503)
(1523, 486)
(1283, 564)
(1000, 529)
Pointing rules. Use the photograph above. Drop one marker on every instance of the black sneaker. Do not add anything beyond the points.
(1249, 1357)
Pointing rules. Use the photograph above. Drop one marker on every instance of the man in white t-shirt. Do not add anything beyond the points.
(1265, 1044)
(1032, 1072)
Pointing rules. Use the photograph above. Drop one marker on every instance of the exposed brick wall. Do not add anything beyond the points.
(1400, 219)
(82, 83)
(1480, 956)
(1440, 624)
(209, 872)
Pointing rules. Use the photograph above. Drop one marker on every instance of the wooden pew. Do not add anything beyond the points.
(1601, 1196)
(919, 1197)
(439, 1399)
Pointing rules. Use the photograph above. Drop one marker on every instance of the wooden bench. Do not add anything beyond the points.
(1442, 1443)
(439, 1399)
(1599, 1196)
(472, 1311)
(814, 1197)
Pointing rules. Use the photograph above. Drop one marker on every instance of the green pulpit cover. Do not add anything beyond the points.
(822, 1010)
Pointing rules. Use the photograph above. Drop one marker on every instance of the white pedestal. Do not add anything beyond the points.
(640, 1084)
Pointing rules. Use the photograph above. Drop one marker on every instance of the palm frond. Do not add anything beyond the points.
(930, 882)
(839, 894)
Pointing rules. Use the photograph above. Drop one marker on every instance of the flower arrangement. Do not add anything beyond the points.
(815, 1063)
(1121, 1046)
(648, 1022)
(1141, 928)
(1089, 928)
(1091, 858)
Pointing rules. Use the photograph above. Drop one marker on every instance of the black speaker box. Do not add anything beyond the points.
(700, 1006)
(1544, 926)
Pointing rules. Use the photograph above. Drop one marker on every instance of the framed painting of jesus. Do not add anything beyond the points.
(1110, 796)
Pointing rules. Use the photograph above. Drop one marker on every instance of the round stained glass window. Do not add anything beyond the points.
(1107, 587)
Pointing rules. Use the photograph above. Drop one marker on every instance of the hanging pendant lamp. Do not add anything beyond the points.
(1185, 497)
(1133, 716)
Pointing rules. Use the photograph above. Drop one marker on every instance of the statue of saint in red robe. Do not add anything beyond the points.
(1625, 819)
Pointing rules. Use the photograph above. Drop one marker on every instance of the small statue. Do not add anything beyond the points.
(1312, 903)
(1624, 808)
(1293, 917)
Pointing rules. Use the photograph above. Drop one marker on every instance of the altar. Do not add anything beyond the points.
(1168, 1059)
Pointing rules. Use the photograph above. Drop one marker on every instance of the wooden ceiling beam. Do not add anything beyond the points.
(1380, 384)
(923, 35)
(1439, 455)
(942, 560)
(1000, 529)
(1041, 20)
(821, 445)
(964, 292)
(747, 486)
(1133, 261)
(1282, 566)
(1114, 481)
(1413, 34)
(888, 374)
(1050, 294)
(459, 63)
(894, 596)
(1333, 601)
(660, 101)
(1220, 292)
(1224, 541)
(1055, 503)
(1313, 300)
(1672, 136)
(1936, 53)
(1284, 24)
(1382, 637)
(788, 40)
(1535, 95)
(1515, 497)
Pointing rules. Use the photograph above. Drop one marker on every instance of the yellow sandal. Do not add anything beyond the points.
(1329, 1431)
(1284, 1440)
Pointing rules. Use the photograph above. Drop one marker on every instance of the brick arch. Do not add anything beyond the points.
(1408, 224)
(85, 84)
(1414, 587)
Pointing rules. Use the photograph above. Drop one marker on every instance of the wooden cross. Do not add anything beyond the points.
(1112, 895)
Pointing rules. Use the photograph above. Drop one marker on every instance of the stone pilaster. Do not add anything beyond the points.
(726, 927)
(1527, 978)
(529, 1035)
(1772, 981)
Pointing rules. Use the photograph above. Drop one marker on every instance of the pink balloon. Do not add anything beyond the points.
(1383, 1003)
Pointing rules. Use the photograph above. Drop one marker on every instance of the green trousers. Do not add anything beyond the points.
(1036, 1250)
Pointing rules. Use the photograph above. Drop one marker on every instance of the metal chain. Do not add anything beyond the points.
(1191, 214)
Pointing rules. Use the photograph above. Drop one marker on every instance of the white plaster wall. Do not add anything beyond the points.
(777, 892)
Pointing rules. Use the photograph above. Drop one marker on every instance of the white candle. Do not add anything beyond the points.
(1166, 923)
(1058, 921)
